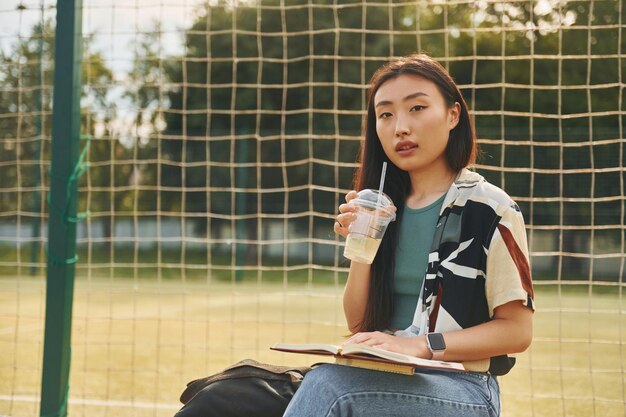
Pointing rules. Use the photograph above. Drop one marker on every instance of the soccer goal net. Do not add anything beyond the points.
(222, 135)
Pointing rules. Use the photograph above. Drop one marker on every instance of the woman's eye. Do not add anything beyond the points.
(384, 115)
(418, 107)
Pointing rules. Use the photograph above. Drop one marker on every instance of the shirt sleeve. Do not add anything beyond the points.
(508, 267)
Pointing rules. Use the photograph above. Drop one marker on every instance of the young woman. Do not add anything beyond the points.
(451, 279)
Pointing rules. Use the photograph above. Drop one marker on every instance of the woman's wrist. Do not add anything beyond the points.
(422, 348)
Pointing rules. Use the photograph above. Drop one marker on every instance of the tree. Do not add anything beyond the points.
(225, 60)
(25, 98)
(26, 102)
(286, 87)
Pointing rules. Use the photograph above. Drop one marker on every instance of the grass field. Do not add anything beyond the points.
(136, 343)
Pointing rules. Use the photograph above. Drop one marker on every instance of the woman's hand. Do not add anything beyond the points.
(413, 346)
(347, 214)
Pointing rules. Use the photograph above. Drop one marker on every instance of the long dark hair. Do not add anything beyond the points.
(460, 152)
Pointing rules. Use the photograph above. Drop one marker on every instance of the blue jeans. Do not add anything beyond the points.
(338, 390)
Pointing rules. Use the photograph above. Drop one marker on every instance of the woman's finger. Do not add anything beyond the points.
(347, 208)
(340, 228)
(352, 338)
(345, 219)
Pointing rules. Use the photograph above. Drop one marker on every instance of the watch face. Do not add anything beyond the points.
(436, 342)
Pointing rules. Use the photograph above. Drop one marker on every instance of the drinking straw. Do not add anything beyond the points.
(382, 184)
(380, 192)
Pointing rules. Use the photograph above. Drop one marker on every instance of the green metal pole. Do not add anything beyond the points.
(63, 202)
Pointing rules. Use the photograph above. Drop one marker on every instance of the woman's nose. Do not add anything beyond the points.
(402, 127)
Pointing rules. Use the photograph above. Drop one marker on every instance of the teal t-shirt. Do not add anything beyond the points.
(417, 228)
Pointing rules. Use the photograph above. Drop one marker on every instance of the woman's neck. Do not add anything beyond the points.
(429, 185)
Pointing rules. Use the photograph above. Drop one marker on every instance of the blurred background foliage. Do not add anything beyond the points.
(259, 115)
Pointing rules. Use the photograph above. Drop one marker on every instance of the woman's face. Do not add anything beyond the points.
(413, 122)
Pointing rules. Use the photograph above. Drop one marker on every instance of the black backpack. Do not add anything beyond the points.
(247, 388)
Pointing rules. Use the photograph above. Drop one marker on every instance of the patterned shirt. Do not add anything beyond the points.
(478, 261)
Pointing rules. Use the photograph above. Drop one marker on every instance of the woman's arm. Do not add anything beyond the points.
(510, 331)
(358, 285)
(355, 294)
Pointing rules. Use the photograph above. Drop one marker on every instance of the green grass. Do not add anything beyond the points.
(168, 265)
(140, 340)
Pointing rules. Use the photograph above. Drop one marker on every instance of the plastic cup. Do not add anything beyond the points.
(369, 226)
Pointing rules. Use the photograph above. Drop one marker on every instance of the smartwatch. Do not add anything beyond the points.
(436, 344)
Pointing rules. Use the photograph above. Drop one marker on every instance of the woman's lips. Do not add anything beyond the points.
(405, 147)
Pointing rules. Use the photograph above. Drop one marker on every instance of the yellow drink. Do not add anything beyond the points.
(361, 248)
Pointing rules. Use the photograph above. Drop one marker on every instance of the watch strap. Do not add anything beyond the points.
(437, 355)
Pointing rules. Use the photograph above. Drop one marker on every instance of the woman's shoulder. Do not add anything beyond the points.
(474, 187)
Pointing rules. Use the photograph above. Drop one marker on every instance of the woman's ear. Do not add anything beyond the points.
(454, 115)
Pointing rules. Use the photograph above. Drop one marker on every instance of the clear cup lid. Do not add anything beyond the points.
(369, 198)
